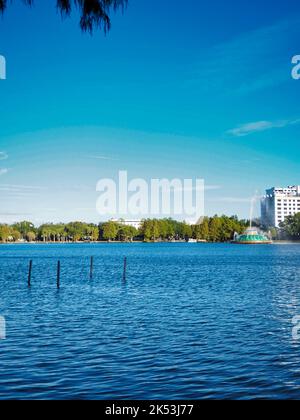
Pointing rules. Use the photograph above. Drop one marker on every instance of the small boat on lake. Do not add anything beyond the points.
(252, 236)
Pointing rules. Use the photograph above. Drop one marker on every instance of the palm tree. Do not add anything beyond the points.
(94, 13)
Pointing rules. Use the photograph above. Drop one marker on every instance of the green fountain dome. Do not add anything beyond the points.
(252, 236)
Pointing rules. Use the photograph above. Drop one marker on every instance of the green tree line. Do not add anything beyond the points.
(290, 228)
(212, 229)
(71, 232)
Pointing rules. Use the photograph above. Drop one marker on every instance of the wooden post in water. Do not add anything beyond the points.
(91, 267)
(124, 270)
(58, 275)
(29, 273)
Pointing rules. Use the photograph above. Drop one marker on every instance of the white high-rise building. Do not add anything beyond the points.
(278, 204)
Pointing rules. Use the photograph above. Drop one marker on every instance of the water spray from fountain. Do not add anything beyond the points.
(253, 202)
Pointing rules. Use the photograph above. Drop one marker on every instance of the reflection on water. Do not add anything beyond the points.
(192, 321)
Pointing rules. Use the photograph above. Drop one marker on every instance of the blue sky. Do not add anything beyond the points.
(176, 89)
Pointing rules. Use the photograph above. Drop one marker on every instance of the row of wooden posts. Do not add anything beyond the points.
(59, 271)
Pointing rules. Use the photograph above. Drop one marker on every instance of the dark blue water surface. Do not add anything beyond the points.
(192, 322)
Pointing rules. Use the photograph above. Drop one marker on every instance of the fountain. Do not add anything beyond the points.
(252, 236)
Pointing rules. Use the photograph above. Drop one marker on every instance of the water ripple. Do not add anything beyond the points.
(191, 322)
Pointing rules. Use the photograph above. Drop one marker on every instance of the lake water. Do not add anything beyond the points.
(191, 322)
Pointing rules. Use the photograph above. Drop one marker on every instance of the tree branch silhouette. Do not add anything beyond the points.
(95, 14)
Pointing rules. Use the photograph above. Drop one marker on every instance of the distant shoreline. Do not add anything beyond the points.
(286, 242)
(276, 242)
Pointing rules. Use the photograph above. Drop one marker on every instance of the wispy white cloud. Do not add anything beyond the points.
(48, 209)
(100, 157)
(11, 214)
(19, 188)
(251, 62)
(85, 209)
(195, 189)
(18, 192)
(3, 155)
(212, 187)
(258, 126)
(231, 200)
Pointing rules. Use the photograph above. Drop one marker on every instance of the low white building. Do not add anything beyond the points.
(133, 223)
(278, 204)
